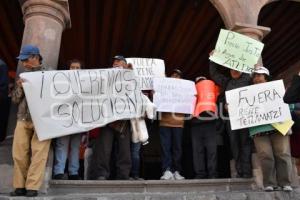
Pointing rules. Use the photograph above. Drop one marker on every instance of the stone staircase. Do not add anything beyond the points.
(151, 186)
(212, 189)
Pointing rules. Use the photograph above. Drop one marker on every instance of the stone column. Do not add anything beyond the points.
(241, 11)
(253, 31)
(44, 21)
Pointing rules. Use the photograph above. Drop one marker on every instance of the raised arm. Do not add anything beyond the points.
(216, 75)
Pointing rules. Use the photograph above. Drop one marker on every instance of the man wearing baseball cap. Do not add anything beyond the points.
(29, 154)
(204, 135)
(118, 131)
(170, 132)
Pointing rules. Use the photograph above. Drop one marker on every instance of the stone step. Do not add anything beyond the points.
(150, 186)
(245, 195)
(210, 189)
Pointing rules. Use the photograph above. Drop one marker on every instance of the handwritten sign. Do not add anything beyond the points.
(283, 127)
(74, 101)
(257, 105)
(174, 95)
(236, 51)
(146, 69)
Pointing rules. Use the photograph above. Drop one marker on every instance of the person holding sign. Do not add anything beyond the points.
(62, 145)
(29, 154)
(171, 129)
(240, 142)
(119, 131)
(203, 130)
(273, 148)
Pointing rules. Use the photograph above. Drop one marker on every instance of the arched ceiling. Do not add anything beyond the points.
(180, 32)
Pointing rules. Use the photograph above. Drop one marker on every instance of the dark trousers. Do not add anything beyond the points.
(204, 142)
(135, 158)
(241, 149)
(102, 153)
(171, 145)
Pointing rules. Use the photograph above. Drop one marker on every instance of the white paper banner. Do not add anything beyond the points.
(257, 105)
(174, 95)
(74, 101)
(146, 69)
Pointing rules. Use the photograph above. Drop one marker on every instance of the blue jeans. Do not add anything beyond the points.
(171, 145)
(135, 159)
(61, 154)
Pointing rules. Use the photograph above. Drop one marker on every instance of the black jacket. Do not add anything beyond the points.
(226, 82)
(292, 94)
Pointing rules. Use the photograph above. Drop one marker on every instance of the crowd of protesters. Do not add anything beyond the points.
(110, 148)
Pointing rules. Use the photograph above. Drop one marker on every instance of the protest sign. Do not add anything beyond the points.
(237, 51)
(174, 95)
(146, 69)
(257, 105)
(283, 127)
(207, 93)
(74, 101)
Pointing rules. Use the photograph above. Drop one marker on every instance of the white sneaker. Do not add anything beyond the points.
(177, 176)
(269, 189)
(287, 188)
(167, 176)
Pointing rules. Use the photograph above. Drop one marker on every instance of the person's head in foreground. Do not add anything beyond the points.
(235, 74)
(119, 62)
(260, 75)
(75, 64)
(30, 57)
(200, 78)
(176, 74)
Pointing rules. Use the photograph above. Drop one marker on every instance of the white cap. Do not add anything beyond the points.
(261, 70)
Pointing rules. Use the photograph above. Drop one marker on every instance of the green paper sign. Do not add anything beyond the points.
(237, 51)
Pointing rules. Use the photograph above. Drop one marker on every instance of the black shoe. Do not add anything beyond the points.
(31, 193)
(101, 178)
(122, 178)
(59, 177)
(74, 177)
(136, 178)
(212, 177)
(200, 177)
(239, 175)
(18, 192)
(247, 176)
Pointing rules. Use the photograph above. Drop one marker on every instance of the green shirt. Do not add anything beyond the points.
(264, 128)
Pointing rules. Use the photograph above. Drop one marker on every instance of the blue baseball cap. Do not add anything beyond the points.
(120, 57)
(27, 51)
